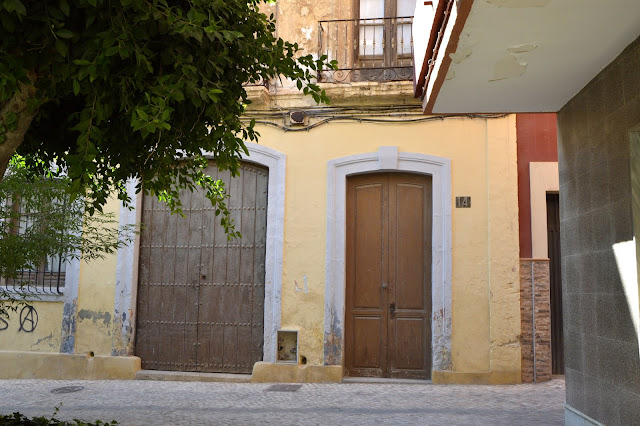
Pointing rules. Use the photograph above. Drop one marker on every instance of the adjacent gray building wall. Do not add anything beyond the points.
(601, 342)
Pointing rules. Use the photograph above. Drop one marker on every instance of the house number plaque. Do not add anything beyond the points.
(463, 202)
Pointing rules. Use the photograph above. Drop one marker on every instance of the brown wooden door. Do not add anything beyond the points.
(555, 283)
(200, 296)
(388, 274)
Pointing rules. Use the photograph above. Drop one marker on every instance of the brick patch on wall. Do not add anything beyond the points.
(536, 270)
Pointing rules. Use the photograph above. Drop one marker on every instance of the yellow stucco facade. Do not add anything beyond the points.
(486, 309)
(93, 326)
(40, 353)
(44, 338)
(95, 311)
(485, 287)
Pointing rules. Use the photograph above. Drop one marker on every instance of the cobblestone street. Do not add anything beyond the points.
(189, 403)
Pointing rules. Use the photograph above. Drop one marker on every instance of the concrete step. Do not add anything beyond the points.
(384, 380)
(187, 376)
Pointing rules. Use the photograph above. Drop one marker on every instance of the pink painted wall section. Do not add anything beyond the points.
(537, 141)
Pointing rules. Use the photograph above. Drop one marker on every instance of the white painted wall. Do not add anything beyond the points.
(543, 178)
(573, 39)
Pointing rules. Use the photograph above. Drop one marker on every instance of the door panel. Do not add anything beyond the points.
(201, 297)
(410, 269)
(368, 338)
(408, 220)
(409, 343)
(388, 270)
(191, 227)
(366, 319)
(368, 254)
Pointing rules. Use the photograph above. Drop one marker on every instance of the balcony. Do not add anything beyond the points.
(258, 83)
(367, 49)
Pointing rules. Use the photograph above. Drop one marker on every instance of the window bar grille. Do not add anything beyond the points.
(346, 45)
(373, 53)
(320, 36)
(411, 49)
(39, 278)
(392, 39)
(402, 35)
(58, 275)
(335, 41)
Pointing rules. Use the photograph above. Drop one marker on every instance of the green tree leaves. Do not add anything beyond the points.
(14, 5)
(57, 225)
(142, 88)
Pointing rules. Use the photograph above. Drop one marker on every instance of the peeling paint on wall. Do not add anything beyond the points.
(44, 339)
(461, 54)
(522, 48)
(123, 332)
(300, 289)
(86, 314)
(333, 340)
(508, 67)
(68, 344)
(124, 305)
(307, 32)
(441, 340)
(518, 3)
(464, 49)
(451, 74)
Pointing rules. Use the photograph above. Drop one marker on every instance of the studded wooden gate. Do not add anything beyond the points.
(200, 296)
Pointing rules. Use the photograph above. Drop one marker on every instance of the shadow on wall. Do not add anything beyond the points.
(628, 254)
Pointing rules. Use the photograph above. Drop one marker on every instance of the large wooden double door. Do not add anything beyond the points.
(200, 295)
(388, 276)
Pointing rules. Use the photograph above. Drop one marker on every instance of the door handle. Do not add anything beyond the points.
(385, 285)
(392, 310)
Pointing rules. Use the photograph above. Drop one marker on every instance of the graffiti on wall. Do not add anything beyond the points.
(28, 320)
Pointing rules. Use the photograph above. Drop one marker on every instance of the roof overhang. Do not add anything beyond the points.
(515, 55)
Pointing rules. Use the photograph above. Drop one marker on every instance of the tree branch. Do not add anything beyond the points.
(18, 105)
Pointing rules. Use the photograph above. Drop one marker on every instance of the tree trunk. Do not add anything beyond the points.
(18, 105)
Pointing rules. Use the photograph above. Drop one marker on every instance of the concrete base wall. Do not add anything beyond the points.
(266, 372)
(476, 378)
(573, 417)
(56, 366)
(535, 315)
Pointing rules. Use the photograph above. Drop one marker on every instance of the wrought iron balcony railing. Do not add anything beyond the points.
(258, 83)
(367, 49)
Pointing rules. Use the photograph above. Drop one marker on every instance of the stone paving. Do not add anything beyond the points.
(196, 403)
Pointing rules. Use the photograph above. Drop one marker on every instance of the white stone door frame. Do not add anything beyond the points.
(388, 159)
(128, 257)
